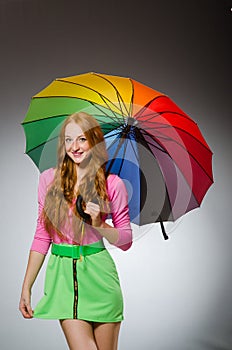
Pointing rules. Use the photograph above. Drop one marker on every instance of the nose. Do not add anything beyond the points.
(75, 145)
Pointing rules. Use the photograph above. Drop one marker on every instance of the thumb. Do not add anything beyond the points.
(29, 310)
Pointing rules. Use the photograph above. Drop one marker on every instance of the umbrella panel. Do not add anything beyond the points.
(136, 165)
(44, 156)
(43, 123)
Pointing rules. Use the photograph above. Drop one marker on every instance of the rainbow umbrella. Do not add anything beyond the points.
(156, 148)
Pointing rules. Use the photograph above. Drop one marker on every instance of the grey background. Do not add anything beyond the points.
(178, 294)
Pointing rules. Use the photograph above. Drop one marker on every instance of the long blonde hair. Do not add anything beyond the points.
(61, 195)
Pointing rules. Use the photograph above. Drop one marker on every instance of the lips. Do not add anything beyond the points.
(77, 154)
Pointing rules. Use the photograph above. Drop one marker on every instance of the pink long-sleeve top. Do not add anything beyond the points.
(118, 200)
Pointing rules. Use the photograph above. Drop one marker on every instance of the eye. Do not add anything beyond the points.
(68, 140)
(82, 139)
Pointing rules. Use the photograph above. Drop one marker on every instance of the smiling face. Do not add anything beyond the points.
(76, 145)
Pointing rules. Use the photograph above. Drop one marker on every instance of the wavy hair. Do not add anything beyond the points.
(60, 197)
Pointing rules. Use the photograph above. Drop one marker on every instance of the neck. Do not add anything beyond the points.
(81, 171)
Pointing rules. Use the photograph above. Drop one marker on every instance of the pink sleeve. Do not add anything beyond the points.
(42, 239)
(119, 211)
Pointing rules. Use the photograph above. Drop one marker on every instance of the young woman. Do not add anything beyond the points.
(82, 287)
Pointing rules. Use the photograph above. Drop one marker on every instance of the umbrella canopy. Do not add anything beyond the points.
(156, 148)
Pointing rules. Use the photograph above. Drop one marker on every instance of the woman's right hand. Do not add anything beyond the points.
(25, 305)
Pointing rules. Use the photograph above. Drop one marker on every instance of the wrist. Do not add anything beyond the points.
(26, 288)
(98, 224)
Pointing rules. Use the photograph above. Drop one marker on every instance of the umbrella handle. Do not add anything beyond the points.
(80, 210)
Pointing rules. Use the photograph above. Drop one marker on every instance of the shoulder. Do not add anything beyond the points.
(46, 177)
(114, 180)
(48, 174)
(45, 180)
(115, 185)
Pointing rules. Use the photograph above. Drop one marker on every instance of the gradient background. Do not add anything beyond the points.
(178, 293)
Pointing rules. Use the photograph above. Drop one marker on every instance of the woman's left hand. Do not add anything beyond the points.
(93, 210)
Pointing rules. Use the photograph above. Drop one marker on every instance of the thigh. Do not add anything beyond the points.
(106, 335)
(79, 334)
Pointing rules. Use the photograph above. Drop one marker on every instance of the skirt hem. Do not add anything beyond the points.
(81, 318)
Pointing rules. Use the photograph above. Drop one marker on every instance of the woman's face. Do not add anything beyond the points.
(76, 145)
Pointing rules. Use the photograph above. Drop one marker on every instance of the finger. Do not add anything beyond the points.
(94, 209)
(94, 214)
(26, 311)
(93, 205)
(29, 310)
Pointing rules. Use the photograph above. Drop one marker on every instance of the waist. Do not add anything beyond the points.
(76, 251)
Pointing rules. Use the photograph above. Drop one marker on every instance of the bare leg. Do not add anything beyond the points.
(106, 335)
(79, 334)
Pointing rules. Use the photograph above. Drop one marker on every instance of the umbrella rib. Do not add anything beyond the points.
(145, 141)
(159, 148)
(138, 115)
(104, 98)
(66, 114)
(115, 153)
(120, 99)
(132, 97)
(146, 145)
(125, 141)
(45, 118)
(41, 144)
(112, 144)
(108, 106)
(123, 157)
(107, 136)
(190, 154)
(115, 118)
(77, 98)
(140, 136)
(177, 128)
(153, 115)
(134, 151)
(114, 141)
(124, 152)
(147, 105)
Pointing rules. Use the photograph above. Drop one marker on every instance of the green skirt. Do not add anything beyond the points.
(85, 288)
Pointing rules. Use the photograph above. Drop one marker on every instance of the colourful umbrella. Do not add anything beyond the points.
(156, 148)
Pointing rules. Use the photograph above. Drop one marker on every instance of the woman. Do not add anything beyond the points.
(82, 288)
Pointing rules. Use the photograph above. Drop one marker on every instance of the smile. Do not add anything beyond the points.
(77, 154)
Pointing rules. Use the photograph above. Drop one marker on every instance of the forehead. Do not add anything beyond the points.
(73, 129)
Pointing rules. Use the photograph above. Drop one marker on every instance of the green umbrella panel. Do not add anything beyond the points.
(44, 119)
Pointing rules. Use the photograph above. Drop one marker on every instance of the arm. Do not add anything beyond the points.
(120, 212)
(121, 234)
(39, 248)
(42, 239)
(34, 265)
(105, 230)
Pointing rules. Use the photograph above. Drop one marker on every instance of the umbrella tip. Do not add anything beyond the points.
(131, 121)
(163, 230)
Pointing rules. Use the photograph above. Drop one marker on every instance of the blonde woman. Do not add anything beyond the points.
(82, 288)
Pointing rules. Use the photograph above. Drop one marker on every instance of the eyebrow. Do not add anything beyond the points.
(72, 136)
